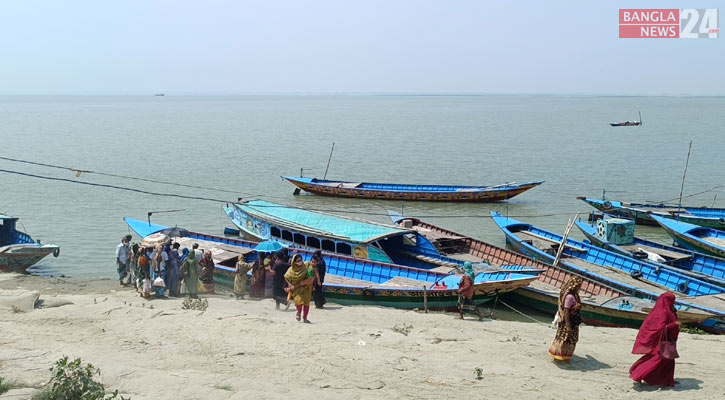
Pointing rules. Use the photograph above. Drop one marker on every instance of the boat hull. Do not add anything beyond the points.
(482, 195)
(691, 237)
(640, 213)
(18, 258)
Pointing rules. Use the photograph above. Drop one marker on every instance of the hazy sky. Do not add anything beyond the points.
(346, 46)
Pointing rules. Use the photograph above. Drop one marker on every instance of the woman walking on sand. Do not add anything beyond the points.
(299, 279)
(207, 272)
(240, 278)
(569, 314)
(190, 274)
(657, 340)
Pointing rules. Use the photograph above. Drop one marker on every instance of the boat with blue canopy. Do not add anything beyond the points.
(355, 281)
(19, 251)
(706, 240)
(640, 212)
(410, 192)
(692, 263)
(638, 278)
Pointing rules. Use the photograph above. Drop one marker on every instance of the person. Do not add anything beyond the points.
(569, 314)
(144, 266)
(278, 284)
(207, 272)
(190, 274)
(299, 279)
(133, 266)
(256, 288)
(268, 275)
(284, 255)
(318, 295)
(172, 272)
(159, 265)
(240, 277)
(657, 365)
(122, 258)
(466, 291)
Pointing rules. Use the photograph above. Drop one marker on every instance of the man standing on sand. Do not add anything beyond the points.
(122, 258)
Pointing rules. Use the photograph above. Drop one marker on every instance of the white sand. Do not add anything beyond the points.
(245, 349)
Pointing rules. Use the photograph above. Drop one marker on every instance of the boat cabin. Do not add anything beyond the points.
(9, 235)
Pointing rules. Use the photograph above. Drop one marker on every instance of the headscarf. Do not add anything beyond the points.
(468, 269)
(652, 330)
(296, 273)
(572, 287)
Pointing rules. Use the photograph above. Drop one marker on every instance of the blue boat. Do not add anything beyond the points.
(640, 213)
(355, 281)
(698, 265)
(630, 275)
(18, 251)
(706, 240)
(394, 191)
(260, 220)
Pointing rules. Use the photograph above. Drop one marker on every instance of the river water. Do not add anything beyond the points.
(241, 145)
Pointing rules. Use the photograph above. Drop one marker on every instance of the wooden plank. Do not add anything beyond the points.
(543, 241)
(671, 255)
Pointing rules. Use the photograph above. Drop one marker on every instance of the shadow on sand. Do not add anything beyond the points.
(583, 364)
(681, 385)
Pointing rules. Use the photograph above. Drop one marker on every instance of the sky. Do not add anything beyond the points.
(346, 46)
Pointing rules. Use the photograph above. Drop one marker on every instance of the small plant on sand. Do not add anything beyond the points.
(403, 329)
(5, 385)
(17, 310)
(194, 304)
(478, 373)
(74, 381)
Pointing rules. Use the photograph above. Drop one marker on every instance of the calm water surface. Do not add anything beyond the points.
(244, 144)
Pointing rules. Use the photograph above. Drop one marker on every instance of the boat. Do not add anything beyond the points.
(355, 281)
(260, 220)
(628, 123)
(640, 212)
(632, 276)
(159, 95)
(705, 240)
(692, 263)
(19, 251)
(602, 305)
(390, 191)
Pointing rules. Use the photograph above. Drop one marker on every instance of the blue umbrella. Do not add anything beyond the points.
(269, 246)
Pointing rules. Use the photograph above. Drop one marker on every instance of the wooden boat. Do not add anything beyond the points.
(18, 251)
(632, 276)
(628, 123)
(602, 305)
(698, 238)
(698, 265)
(640, 213)
(354, 281)
(389, 191)
(298, 228)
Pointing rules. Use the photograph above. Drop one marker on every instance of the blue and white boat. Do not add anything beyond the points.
(692, 263)
(640, 212)
(635, 277)
(355, 281)
(18, 251)
(706, 240)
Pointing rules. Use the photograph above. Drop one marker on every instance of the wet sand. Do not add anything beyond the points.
(243, 349)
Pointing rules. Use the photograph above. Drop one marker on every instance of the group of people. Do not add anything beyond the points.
(284, 278)
(162, 270)
(656, 339)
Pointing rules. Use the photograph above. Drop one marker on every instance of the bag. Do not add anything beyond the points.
(668, 348)
(158, 282)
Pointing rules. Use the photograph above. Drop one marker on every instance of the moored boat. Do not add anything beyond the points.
(632, 276)
(706, 240)
(701, 266)
(355, 281)
(409, 192)
(602, 305)
(18, 251)
(640, 212)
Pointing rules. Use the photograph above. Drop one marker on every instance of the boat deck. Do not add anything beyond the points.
(341, 280)
(715, 241)
(555, 291)
(221, 253)
(543, 243)
(670, 255)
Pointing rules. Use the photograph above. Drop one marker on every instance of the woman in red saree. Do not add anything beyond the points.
(656, 367)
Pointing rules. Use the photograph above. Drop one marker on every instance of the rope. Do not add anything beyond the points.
(515, 310)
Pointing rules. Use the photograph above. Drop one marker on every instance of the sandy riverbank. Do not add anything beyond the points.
(243, 349)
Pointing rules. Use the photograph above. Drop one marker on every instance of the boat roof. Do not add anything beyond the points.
(3, 216)
(143, 228)
(321, 223)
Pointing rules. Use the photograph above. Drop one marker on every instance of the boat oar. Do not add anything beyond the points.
(563, 240)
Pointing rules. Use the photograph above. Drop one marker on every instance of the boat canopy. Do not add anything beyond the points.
(321, 224)
(143, 228)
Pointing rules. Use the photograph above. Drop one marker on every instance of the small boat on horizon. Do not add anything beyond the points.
(159, 94)
(410, 192)
(18, 251)
(628, 123)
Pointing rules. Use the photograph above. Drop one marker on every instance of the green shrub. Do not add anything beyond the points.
(72, 380)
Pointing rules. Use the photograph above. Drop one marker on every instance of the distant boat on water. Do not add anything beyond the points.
(159, 94)
(628, 123)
